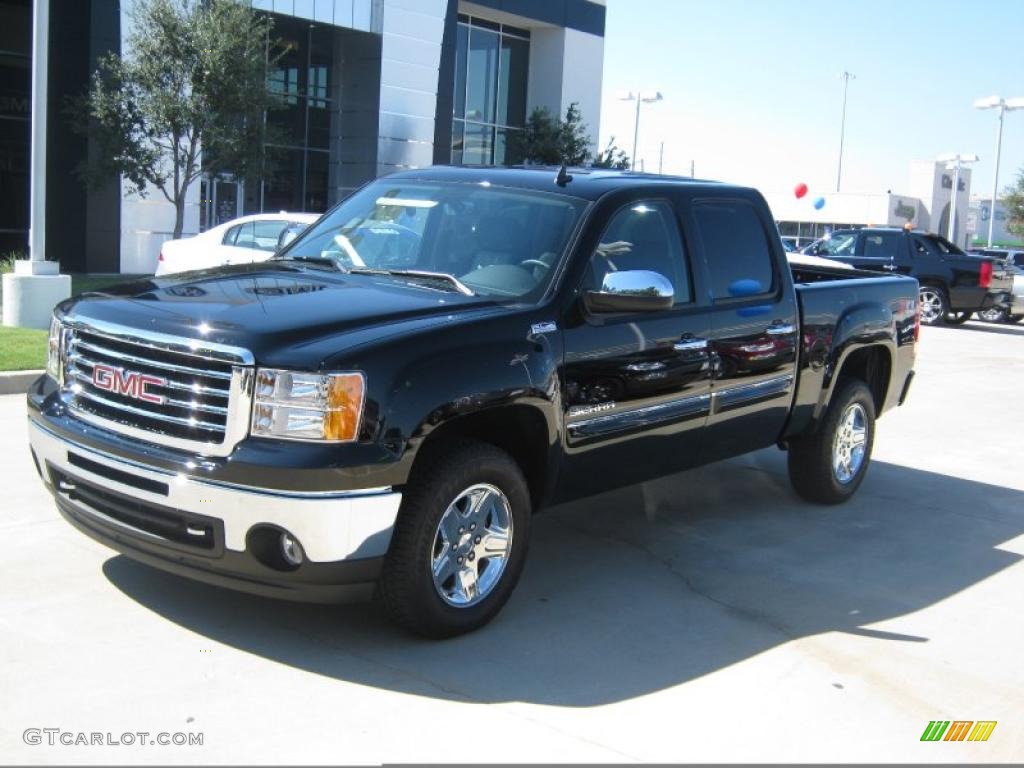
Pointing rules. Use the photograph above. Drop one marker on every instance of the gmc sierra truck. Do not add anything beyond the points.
(382, 407)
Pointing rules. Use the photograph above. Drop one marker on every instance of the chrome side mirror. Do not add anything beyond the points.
(637, 290)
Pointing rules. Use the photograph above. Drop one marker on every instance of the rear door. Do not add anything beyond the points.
(636, 386)
(880, 251)
(754, 324)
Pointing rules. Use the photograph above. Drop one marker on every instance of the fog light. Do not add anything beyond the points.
(291, 550)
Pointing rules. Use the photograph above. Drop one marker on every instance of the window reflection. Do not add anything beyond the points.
(491, 73)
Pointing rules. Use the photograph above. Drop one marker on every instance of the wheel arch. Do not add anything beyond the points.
(520, 430)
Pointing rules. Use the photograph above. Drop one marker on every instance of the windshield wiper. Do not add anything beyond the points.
(453, 281)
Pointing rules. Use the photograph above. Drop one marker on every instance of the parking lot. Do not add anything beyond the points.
(711, 616)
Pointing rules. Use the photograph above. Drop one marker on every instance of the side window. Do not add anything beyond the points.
(230, 235)
(266, 234)
(737, 251)
(881, 245)
(921, 247)
(642, 236)
(246, 236)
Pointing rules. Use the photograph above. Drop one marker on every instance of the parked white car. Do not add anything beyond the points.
(240, 241)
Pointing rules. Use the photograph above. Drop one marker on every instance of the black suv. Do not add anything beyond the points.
(953, 284)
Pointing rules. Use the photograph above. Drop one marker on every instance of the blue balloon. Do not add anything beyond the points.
(819, 203)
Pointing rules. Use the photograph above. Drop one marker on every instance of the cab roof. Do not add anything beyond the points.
(586, 183)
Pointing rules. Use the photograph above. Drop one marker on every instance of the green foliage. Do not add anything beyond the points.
(190, 99)
(549, 140)
(7, 261)
(1014, 201)
(612, 157)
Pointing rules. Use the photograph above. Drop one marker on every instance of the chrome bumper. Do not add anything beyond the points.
(330, 526)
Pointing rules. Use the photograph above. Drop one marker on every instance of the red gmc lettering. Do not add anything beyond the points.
(128, 383)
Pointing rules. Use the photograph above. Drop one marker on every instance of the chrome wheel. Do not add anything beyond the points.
(471, 545)
(993, 315)
(850, 443)
(933, 305)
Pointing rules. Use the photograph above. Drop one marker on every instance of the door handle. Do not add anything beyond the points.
(782, 329)
(690, 345)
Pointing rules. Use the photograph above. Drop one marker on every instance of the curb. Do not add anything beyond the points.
(17, 382)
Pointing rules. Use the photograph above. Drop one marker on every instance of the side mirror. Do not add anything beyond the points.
(631, 291)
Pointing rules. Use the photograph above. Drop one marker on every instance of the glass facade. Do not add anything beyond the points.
(299, 132)
(492, 64)
(15, 114)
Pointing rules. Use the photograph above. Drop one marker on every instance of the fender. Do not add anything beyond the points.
(861, 326)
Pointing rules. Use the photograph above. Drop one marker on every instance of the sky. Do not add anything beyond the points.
(753, 94)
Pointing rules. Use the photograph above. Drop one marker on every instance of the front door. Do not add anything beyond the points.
(636, 387)
(754, 325)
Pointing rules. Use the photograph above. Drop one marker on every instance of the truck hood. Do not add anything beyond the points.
(270, 306)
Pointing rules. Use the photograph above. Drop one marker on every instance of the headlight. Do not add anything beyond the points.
(53, 350)
(307, 406)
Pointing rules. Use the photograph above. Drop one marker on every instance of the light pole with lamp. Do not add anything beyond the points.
(1004, 106)
(954, 162)
(847, 77)
(640, 97)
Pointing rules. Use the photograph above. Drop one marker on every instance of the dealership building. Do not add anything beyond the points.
(369, 87)
(926, 204)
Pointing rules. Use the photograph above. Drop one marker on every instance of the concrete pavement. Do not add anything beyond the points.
(709, 617)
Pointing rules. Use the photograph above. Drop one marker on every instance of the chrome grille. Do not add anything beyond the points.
(204, 390)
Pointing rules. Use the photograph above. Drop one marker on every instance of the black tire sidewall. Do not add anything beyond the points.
(422, 508)
(851, 392)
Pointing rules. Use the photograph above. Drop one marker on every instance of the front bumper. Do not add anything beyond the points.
(217, 532)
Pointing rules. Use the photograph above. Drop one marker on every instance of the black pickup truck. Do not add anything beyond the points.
(953, 284)
(383, 406)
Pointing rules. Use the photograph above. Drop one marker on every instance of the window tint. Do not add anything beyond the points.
(642, 236)
(230, 235)
(881, 245)
(266, 234)
(736, 248)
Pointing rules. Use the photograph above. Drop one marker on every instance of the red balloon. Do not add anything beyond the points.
(800, 190)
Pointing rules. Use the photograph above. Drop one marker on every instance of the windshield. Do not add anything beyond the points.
(495, 241)
(838, 244)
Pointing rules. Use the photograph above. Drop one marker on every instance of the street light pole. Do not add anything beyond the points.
(1004, 106)
(648, 98)
(847, 76)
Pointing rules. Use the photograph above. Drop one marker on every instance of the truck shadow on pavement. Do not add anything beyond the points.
(1005, 329)
(645, 588)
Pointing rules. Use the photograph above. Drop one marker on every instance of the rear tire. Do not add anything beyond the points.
(934, 304)
(994, 315)
(828, 466)
(462, 502)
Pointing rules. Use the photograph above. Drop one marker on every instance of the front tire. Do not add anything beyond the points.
(828, 466)
(460, 541)
(934, 304)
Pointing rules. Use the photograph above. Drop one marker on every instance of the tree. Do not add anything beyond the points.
(190, 99)
(549, 140)
(612, 157)
(1013, 199)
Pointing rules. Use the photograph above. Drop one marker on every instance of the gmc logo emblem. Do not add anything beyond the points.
(129, 383)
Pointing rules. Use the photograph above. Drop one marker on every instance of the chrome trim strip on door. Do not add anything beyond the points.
(647, 416)
(745, 394)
